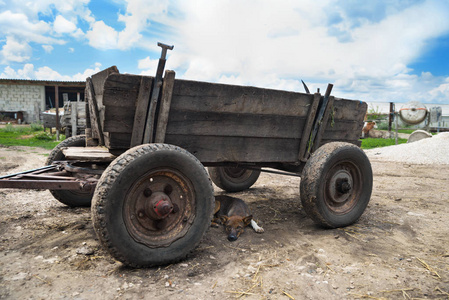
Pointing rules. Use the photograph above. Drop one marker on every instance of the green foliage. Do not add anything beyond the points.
(36, 127)
(382, 125)
(374, 113)
(370, 143)
(46, 136)
(28, 136)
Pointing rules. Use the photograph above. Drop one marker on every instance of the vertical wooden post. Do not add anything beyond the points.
(57, 111)
(74, 117)
(167, 93)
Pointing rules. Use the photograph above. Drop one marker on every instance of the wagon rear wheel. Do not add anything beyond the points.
(71, 198)
(336, 184)
(152, 205)
(233, 179)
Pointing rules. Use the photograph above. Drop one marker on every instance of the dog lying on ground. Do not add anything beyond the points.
(234, 214)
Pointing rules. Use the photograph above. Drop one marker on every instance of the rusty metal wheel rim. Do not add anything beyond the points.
(342, 189)
(236, 174)
(159, 208)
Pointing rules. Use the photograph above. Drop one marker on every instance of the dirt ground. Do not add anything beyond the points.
(399, 249)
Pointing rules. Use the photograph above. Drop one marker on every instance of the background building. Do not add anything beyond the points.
(26, 99)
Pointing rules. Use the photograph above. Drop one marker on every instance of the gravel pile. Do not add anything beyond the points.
(434, 150)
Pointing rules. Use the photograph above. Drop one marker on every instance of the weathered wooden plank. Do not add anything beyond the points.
(123, 82)
(239, 125)
(213, 149)
(307, 128)
(346, 130)
(97, 131)
(99, 78)
(120, 98)
(204, 96)
(167, 93)
(349, 109)
(91, 154)
(324, 123)
(141, 111)
(74, 118)
(118, 119)
(116, 140)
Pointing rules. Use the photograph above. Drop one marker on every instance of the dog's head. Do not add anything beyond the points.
(235, 225)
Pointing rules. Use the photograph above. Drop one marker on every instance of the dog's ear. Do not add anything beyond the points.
(223, 219)
(247, 220)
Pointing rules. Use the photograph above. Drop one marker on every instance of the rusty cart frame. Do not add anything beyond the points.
(141, 164)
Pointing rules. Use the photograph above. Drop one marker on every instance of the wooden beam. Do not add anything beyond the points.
(324, 123)
(167, 93)
(94, 112)
(140, 115)
(90, 154)
(308, 127)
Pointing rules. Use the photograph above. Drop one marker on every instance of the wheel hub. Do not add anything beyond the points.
(159, 208)
(340, 186)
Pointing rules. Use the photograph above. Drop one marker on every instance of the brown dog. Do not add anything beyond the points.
(234, 214)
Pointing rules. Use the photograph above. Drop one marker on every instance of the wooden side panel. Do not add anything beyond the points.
(210, 149)
(117, 140)
(227, 123)
(210, 97)
(239, 125)
(120, 96)
(99, 78)
(345, 121)
(221, 123)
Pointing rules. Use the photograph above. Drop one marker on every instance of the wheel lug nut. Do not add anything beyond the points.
(147, 192)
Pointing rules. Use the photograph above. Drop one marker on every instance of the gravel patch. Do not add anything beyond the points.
(434, 150)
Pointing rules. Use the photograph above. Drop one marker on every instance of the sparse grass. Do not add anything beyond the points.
(370, 143)
(31, 136)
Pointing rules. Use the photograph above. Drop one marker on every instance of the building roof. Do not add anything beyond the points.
(43, 82)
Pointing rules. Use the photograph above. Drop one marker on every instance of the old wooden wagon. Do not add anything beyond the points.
(141, 164)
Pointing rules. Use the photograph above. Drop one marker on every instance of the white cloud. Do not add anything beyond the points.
(102, 36)
(441, 93)
(46, 73)
(62, 25)
(138, 19)
(19, 26)
(148, 66)
(87, 73)
(15, 51)
(258, 43)
(365, 50)
(47, 48)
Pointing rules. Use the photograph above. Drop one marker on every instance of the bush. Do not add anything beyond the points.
(44, 136)
(36, 127)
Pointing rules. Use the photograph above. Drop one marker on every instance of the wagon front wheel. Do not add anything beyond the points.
(152, 205)
(336, 184)
(233, 179)
(72, 198)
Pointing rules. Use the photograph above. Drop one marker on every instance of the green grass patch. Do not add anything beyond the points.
(370, 143)
(30, 136)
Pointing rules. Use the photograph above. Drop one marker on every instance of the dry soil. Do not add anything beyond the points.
(399, 249)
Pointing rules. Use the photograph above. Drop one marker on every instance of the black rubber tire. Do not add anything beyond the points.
(133, 168)
(68, 197)
(322, 195)
(233, 179)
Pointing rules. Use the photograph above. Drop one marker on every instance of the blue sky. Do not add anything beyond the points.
(374, 50)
